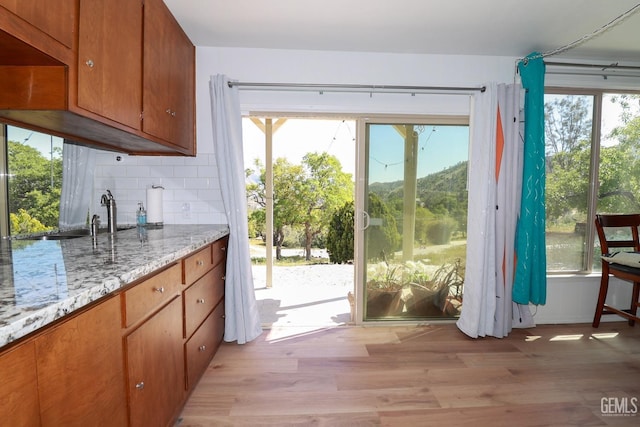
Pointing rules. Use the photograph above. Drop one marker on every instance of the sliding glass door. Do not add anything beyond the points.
(414, 218)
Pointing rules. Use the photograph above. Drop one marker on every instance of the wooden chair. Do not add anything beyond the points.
(628, 223)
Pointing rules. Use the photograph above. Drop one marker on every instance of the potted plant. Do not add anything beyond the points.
(409, 290)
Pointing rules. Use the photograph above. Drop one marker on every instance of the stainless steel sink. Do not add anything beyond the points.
(60, 235)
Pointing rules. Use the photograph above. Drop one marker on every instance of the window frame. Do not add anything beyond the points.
(4, 183)
(594, 167)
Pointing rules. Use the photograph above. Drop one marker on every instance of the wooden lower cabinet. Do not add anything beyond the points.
(155, 365)
(202, 346)
(80, 370)
(130, 359)
(19, 389)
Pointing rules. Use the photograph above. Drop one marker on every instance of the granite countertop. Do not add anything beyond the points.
(43, 280)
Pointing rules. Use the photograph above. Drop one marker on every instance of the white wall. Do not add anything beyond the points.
(194, 181)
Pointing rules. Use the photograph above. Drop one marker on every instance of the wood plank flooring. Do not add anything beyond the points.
(551, 375)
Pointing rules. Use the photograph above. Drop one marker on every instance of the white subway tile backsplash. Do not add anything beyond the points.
(185, 171)
(195, 183)
(192, 188)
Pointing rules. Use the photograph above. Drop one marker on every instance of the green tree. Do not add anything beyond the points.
(567, 125)
(568, 142)
(304, 196)
(383, 238)
(568, 150)
(35, 183)
(323, 189)
(340, 235)
(620, 165)
(23, 223)
(286, 204)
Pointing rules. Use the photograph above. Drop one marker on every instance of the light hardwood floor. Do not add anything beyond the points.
(551, 375)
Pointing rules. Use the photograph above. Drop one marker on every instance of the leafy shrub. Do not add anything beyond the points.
(439, 232)
(340, 236)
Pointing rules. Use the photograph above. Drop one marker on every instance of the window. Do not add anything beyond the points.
(593, 166)
(33, 180)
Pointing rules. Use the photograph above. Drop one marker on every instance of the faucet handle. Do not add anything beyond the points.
(95, 225)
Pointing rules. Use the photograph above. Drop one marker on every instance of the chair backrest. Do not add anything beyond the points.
(627, 239)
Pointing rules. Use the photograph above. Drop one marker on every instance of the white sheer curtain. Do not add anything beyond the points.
(495, 181)
(242, 319)
(78, 164)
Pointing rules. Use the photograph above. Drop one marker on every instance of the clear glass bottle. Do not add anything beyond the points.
(141, 215)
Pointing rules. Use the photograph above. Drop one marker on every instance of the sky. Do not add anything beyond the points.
(298, 137)
(447, 146)
(439, 147)
(40, 141)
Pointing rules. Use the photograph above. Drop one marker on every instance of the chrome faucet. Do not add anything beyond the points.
(108, 201)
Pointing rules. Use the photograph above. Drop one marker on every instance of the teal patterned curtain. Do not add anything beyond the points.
(530, 282)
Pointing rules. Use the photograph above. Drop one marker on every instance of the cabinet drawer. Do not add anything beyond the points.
(197, 264)
(145, 297)
(202, 297)
(202, 346)
(219, 250)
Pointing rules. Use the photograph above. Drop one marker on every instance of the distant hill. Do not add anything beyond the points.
(452, 180)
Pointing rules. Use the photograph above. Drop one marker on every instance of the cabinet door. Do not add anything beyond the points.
(169, 78)
(19, 392)
(156, 368)
(110, 59)
(202, 346)
(54, 17)
(81, 370)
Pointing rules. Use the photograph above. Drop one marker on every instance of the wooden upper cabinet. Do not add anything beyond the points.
(56, 18)
(110, 59)
(115, 74)
(169, 78)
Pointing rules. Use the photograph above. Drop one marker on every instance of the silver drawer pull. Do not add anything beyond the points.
(89, 63)
(159, 290)
(202, 348)
(223, 248)
(199, 262)
(140, 385)
(200, 300)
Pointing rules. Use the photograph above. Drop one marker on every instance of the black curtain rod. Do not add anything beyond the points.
(353, 87)
(601, 67)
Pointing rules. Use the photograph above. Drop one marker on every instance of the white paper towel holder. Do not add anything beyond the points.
(157, 224)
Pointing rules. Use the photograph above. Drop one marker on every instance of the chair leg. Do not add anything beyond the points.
(634, 302)
(602, 297)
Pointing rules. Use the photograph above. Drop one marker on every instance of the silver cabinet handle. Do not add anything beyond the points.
(89, 63)
(199, 262)
(159, 290)
(200, 300)
(202, 348)
(140, 385)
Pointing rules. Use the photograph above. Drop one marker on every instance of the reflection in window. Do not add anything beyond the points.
(35, 180)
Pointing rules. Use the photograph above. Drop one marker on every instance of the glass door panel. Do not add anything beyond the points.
(415, 206)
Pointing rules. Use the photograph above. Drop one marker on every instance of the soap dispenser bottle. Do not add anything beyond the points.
(141, 215)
